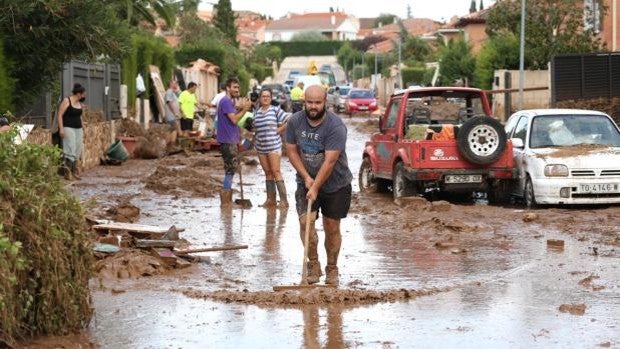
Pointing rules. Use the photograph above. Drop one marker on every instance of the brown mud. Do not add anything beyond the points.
(316, 296)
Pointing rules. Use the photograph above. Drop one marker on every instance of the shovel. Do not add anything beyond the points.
(244, 203)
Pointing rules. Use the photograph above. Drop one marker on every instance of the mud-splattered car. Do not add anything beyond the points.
(565, 156)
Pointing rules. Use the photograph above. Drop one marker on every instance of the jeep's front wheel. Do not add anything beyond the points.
(401, 186)
(367, 180)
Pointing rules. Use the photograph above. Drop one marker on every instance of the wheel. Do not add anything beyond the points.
(367, 180)
(528, 195)
(401, 186)
(481, 140)
(368, 183)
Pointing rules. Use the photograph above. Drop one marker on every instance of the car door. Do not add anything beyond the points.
(386, 142)
(521, 131)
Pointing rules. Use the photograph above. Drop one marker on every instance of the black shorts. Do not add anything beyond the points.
(333, 205)
(229, 152)
(187, 124)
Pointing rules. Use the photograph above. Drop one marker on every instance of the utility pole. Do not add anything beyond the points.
(363, 65)
(400, 76)
(375, 70)
(522, 56)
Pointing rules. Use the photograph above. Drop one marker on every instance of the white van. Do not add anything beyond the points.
(308, 80)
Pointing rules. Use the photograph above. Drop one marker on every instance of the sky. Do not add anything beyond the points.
(439, 10)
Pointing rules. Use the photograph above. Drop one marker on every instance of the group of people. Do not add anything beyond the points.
(315, 144)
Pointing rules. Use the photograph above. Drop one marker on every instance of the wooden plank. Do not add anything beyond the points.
(155, 243)
(142, 228)
(211, 249)
(160, 90)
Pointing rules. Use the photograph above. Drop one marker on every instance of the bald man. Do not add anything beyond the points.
(316, 146)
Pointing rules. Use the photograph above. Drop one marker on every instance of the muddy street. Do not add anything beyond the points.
(416, 273)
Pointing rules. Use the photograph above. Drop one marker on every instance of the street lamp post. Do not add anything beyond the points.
(522, 55)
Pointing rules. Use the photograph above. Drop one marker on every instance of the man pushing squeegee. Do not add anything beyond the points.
(316, 146)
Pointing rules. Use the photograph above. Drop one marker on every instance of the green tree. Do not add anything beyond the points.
(135, 11)
(456, 62)
(224, 20)
(266, 54)
(6, 82)
(310, 35)
(552, 27)
(384, 19)
(499, 52)
(416, 49)
(347, 56)
(472, 6)
(42, 35)
(481, 6)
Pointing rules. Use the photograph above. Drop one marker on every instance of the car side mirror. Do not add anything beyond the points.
(517, 143)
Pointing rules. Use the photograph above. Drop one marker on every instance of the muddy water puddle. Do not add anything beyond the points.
(474, 274)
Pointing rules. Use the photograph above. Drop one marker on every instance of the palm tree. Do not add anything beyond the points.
(137, 10)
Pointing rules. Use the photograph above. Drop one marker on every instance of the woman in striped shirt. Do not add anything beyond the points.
(269, 125)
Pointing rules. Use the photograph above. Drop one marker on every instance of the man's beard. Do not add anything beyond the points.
(318, 115)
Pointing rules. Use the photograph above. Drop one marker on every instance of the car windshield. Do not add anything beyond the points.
(361, 94)
(569, 130)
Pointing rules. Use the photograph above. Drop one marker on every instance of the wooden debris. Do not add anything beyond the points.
(211, 249)
(141, 243)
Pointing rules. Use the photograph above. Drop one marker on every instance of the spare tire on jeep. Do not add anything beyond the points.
(481, 140)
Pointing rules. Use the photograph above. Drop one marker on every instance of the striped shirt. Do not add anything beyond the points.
(266, 138)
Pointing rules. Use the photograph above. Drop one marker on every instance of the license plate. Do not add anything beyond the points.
(598, 188)
(362, 107)
(463, 178)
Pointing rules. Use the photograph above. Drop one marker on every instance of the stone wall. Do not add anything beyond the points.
(98, 136)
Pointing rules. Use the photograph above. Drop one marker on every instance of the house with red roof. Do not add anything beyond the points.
(333, 25)
(472, 26)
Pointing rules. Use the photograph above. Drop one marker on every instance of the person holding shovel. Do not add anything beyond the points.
(269, 124)
(228, 135)
(316, 146)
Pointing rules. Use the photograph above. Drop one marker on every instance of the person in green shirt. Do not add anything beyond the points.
(187, 102)
(297, 97)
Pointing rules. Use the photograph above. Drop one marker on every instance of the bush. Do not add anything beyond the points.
(46, 256)
(414, 76)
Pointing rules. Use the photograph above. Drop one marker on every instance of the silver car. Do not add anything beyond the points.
(339, 97)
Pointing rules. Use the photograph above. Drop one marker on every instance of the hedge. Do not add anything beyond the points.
(308, 48)
(146, 50)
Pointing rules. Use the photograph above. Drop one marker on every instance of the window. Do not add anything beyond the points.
(592, 15)
(521, 129)
(393, 115)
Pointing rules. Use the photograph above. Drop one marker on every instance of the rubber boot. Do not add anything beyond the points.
(74, 170)
(66, 170)
(313, 266)
(270, 185)
(226, 198)
(331, 275)
(282, 191)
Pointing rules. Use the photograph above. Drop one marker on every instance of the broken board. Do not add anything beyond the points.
(160, 90)
(137, 230)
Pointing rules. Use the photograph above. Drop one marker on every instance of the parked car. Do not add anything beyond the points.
(426, 143)
(339, 97)
(289, 83)
(293, 74)
(360, 100)
(565, 156)
(279, 94)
